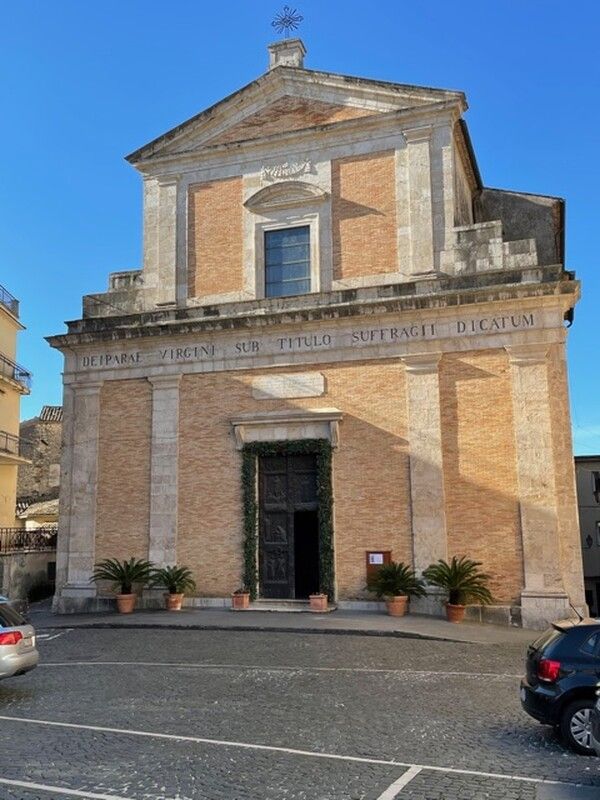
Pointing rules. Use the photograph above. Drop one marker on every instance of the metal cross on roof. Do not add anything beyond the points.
(287, 20)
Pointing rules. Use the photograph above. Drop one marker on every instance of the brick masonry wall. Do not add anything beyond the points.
(480, 480)
(288, 114)
(372, 505)
(364, 215)
(215, 245)
(123, 498)
(371, 470)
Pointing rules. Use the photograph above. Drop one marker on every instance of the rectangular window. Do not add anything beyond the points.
(596, 485)
(287, 261)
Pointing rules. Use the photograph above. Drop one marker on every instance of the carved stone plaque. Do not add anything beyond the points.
(298, 384)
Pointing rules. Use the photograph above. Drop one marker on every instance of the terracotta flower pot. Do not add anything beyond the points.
(126, 603)
(240, 600)
(396, 606)
(318, 602)
(455, 613)
(174, 601)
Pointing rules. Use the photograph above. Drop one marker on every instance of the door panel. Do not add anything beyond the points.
(275, 532)
(287, 484)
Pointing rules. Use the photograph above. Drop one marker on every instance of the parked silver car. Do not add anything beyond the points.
(18, 653)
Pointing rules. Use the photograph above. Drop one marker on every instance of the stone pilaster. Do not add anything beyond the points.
(162, 206)
(418, 143)
(167, 241)
(426, 468)
(566, 489)
(64, 502)
(442, 189)
(79, 471)
(164, 469)
(543, 597)
(150, 245)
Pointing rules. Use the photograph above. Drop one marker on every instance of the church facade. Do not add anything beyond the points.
(342, 348)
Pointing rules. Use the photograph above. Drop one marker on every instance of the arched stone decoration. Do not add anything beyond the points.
(284, 195)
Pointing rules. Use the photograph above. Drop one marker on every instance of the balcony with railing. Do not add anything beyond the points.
(20, 540)
(13, 450)
(11, 371)
(9, 302)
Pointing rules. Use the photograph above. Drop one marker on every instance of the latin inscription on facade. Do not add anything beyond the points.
(310, 342)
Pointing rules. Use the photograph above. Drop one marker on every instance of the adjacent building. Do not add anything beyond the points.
(19, 567)
(28, 551)
(588, 492)
(15, 381)
(39, 479)
(342, 348)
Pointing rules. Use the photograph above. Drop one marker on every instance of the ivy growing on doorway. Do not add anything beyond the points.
(321, 448)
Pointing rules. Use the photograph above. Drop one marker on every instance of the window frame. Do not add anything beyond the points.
(595, 478)
(306, 277)
(283, 222)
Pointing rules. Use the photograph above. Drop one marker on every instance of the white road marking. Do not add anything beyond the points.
(42, 787)
(277, 749)
(265, 668)
(393, 789)
(49, 637)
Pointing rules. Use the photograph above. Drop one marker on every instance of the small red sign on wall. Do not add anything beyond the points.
(376, 559)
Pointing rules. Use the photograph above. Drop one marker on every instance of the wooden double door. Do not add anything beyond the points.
(288, 545)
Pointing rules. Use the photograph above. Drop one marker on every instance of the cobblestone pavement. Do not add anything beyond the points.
(383, 705)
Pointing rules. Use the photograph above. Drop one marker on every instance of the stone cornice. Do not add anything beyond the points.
(244, 425)
(370, 87)
(527, 354)
(421, 133)
(442, 293)
(465, 156)
(422, 364)
(165, 381)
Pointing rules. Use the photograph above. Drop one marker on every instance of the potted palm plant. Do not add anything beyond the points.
(177, 581)
(318, 601)
(463, 581)
(396, 582)
(240, 599)
(123, 575)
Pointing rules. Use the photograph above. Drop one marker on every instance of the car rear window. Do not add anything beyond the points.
(547, 638)
(9, 618)
(591, 646)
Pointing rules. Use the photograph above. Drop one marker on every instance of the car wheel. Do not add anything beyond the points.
(576, 726)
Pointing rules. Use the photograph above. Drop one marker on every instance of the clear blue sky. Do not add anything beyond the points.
(82, 83)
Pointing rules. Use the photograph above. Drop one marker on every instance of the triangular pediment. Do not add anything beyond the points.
(289, 114)
(286, 100)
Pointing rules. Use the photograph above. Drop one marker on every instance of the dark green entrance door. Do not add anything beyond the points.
(288, 526)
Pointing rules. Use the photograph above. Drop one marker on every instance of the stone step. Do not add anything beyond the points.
(292, 606)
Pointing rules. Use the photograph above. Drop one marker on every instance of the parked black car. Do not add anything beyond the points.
(562, 673)
(596, 723)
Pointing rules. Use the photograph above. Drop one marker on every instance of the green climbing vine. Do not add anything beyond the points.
(321, 448)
